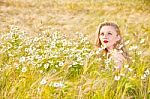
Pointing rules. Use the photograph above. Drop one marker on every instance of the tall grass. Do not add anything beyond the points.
(51, 65)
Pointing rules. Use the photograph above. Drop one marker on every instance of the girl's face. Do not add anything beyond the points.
(108, 36)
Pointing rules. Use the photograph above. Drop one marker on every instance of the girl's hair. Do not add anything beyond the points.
(119, 44)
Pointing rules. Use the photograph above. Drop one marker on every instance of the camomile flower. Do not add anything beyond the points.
(130, 69)
(24, 69)
(56, 84)
(46, 65)
(127, 42)
(117, 78)
(22, 59)
(99, 50)
(147, 72)
(43, 81)
(139, 53)
(122, 74)
(143, 77)
(134, 47)
(79, 58)
(61, 63)
(74, 63)
(126, 66)
(142, 41)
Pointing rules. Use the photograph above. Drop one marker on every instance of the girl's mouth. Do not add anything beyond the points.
(105, 41)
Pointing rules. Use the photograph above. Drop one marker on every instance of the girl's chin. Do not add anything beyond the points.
(106, 46)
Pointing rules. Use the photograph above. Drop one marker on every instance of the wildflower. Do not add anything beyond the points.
(56, 84)
(64, 43)
(127, 42)
(130, 69)
(126, 66)
(134, 75)
(54, 71)
(142, 41)
(91, 53)
(56, 66)
(74, 63)
(99, 59)
(99, 50)
(39, 90)
(139, 53)
(22, 59)
(143, 77)
(43, 82)
(10, 55)
(79, 59)
(26, 49)
(122, 74)
(41, 71)
(134, 47)
(147, 72)
(46, 65)
(69, 44)
(117, 78)
(24, 69)
(61, 63)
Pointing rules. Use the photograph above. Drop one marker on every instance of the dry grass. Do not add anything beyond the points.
(69, 16)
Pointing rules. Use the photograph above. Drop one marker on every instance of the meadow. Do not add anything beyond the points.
(47, 49)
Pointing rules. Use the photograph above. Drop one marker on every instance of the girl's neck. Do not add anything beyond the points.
(110, 49)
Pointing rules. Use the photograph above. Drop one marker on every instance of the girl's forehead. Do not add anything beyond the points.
(108, 28)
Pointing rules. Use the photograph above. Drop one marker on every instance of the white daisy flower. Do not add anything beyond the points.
(142, 41)
(147, 72)
(22, 59)
(117, 78)
(43, 81)
(24, 69)
(139, 53)
(130, 69)
(46, 65)
(122, 74)
(56, 84)
(126, 66)
(61, 63)
(127, 42)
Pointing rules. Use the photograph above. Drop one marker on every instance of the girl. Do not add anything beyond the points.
(110, 40)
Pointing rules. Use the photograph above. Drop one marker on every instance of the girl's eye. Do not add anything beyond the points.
(110, 33)
(102, 33)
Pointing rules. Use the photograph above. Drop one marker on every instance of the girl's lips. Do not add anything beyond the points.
(105, 41)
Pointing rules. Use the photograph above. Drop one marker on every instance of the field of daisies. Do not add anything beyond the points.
(62, 62)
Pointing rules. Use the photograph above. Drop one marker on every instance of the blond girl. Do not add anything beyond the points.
(109, 39)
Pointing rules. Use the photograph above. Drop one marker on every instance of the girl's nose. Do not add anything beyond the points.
(105, 35)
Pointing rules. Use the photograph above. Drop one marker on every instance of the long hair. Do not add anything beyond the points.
(119, 44)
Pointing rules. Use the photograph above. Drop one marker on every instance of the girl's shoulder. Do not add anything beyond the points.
(117, 55)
